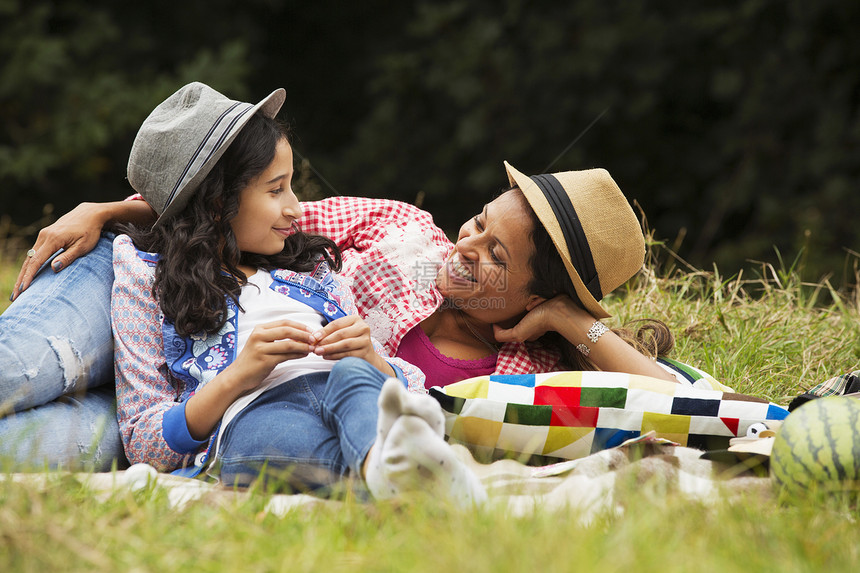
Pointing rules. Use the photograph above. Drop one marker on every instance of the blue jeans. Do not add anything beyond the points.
(308, 433)
(56, 341)
(72, 432)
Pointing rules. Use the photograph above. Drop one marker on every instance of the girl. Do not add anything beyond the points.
(234, 341)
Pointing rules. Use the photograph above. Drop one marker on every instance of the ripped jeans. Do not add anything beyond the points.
(56, 369)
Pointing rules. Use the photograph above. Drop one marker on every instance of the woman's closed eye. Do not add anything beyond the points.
(492, 248)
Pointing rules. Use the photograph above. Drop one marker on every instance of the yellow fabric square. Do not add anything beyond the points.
(472, 388)
(669, 426)
(652, 385)
(677, 438)
(574, 450)
(560, 379)
(476, 431)
(561, 436)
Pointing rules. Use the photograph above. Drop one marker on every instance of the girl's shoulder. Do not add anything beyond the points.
(321, 280)
(284, 273)
(125, 253)
(322, 277)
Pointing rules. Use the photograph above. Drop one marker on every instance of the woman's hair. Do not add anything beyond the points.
(198, 265)
(549, 278)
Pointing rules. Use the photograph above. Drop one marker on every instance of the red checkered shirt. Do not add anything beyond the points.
(391, 252)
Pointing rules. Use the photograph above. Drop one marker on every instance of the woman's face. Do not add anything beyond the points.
(488, 273)
(268, 207)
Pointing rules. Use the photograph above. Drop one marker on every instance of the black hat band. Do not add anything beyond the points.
(571, 228)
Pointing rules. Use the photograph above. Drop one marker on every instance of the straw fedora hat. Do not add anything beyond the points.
(592, 226)
(183, 138)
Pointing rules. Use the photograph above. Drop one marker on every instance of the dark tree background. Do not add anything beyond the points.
(736, 125)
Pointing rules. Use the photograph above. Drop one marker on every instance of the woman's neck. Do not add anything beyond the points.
(457, 336)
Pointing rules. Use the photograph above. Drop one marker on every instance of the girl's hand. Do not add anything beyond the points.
(554, 314)
(269, 345)
(348, 336)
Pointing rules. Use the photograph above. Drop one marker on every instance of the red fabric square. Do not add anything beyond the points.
(557, 396)
(574, 416)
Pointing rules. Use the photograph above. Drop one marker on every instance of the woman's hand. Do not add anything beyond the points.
(551, 315)
(77, 232)
(348, 336)
(560, 314)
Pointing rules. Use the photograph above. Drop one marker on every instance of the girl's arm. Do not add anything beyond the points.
(268, 345)
(77, 232)
(560, 314)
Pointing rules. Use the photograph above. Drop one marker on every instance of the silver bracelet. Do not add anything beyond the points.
(584, 349)
(597, 330)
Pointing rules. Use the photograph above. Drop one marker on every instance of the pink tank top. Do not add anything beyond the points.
(440, 370)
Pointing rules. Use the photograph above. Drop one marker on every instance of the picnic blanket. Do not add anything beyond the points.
(586, 487)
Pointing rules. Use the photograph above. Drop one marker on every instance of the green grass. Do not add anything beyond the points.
(65, 528)
(8, 274)
(14, 242)
(765, 333)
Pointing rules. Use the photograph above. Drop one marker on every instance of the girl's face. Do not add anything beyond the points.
(488, 273)
(268, 207)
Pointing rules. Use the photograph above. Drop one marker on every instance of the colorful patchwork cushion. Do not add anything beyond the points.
(686, 374)
(569, 415)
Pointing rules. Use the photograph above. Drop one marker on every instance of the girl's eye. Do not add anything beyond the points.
(478, 224)
(277, 191)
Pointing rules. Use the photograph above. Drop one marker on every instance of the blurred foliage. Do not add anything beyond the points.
(77, 79)
(735, 125)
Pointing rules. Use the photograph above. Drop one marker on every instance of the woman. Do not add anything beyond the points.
(492, 302)
(493, 290)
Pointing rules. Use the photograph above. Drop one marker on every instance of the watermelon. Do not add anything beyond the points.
(818, 447)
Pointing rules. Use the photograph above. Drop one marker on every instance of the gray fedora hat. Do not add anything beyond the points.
(183, 138)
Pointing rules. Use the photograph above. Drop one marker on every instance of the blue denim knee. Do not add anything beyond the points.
(310, 431)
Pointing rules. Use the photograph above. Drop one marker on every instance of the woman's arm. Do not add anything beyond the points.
(77, 232)
(610, 353)
(360, 223)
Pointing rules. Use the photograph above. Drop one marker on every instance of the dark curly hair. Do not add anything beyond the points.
(198, 266)
(549, 278)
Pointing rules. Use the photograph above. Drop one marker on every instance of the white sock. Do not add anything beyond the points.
(410, 453)
(395, 400)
